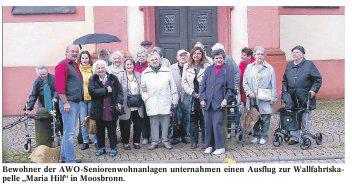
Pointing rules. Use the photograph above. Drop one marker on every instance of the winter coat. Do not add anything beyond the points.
(158, 91)
(213, 90)
(124, 81)
(265, 78)
(98, 91)
(38, 91)
(188, 86)
(299, 79)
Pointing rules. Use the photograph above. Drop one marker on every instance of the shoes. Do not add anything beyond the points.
(167, 145)
(84, 146)
(262, 141)
(78, 161)
(228, 136)
(174, 141)
(219, 151)
(96, 145)
(208, 150)
(193, 145)
(292, 142)
(185, 140)
(203, 146)
(136, 146)
(126, 147)
(145, 141)
(113, 152)
(153, 146)
(90, 141)
(254, 140)
(100, 152)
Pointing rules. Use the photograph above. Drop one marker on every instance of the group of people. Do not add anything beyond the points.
(147, 89)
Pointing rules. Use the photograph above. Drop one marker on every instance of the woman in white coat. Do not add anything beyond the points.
(159, 94)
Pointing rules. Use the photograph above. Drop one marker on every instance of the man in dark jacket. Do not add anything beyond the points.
(302, 81)
(45, 80)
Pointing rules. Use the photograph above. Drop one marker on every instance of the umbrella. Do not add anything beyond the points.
(96, 38)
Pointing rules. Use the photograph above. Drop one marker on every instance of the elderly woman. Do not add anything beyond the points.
(43, 88)
(301, 81)
(216, 91)
(104, 55)
(141, 63)
(193, 73)
(130, 81)
(117, 63)
(106, 92)
(85, 66)
(259, 84)
(159, 93)
(164, 61)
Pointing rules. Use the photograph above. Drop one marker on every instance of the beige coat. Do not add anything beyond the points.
(123, 80)
(188, 77)
(158, 91)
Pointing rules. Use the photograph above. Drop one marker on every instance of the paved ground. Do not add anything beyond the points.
(328, 119)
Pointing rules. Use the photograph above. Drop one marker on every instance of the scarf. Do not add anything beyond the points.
(47, 96)
(156, 69)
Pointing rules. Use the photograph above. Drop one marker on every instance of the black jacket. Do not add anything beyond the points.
(299, 79)
(98, 91)
(38, 91)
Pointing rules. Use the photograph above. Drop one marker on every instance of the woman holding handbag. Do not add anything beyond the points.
(107, 99)
(259, 84)
(133, 105)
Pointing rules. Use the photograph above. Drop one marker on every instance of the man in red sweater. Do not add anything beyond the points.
(247, 58)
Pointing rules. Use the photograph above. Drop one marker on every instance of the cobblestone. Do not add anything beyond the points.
(328, 119)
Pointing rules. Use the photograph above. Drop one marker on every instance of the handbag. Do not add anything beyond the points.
(133, 100)
(264, 94)
(91, 125)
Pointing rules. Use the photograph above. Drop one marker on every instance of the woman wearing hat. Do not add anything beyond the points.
(302, 81)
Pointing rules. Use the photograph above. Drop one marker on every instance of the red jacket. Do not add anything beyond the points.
(242, 67)
(139, 68)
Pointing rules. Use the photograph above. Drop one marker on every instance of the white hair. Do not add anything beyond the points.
(151, 55)
(117, 54)
(99, 63)
(41, 69)
(217, 46)
(260, 48)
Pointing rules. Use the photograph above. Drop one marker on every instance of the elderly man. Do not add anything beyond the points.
(69, 86)
(181, 133)
(302, 81)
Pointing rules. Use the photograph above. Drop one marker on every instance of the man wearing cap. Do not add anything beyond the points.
(69, 86)
(302, 81)
(145, 46)
(181, 133)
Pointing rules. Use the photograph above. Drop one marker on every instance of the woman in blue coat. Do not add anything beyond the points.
(217, 89)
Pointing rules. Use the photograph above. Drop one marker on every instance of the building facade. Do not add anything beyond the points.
(33, 38)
